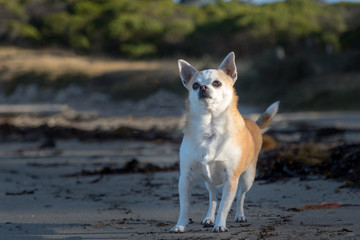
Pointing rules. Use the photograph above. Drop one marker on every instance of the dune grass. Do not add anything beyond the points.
(56, 68)
(59, 62)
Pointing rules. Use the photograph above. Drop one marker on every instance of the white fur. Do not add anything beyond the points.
(273, 109)
(221, 97)
(246, 181)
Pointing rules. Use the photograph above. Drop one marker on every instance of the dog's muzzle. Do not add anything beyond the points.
(204, 92)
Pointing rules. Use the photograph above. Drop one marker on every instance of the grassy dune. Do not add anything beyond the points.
(59, 62)
(58, 68)
(300, 82)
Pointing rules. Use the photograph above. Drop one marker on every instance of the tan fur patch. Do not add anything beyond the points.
(264, 121)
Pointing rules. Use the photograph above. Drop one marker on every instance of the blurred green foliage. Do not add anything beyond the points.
(140, 28)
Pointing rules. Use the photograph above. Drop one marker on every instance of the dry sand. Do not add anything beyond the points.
(39, 202)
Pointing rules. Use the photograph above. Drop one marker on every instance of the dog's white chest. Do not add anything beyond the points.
(208, 147)
(209, 137)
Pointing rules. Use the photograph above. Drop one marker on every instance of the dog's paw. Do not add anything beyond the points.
(219, 229)
(240, 219)
(178, 229)
(207, 223)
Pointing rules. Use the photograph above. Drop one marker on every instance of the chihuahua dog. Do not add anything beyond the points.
(219, 144)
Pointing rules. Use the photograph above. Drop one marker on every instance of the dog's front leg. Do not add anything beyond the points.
(210, 216)
(185, 184)
(228, 195)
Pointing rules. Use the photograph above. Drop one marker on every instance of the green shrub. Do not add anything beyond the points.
(24, 31)
(56, 25)
(87, 8)
(138, 50)
(132, 26)
(177, 29)
(79, 42)
(16, 8)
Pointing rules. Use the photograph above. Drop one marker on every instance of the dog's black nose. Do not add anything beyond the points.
(204, 92)
(203, 88)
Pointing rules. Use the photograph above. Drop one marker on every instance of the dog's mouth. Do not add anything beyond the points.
(204, 95)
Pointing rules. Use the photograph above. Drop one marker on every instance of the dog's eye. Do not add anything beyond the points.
(196, 86)
(216, 83)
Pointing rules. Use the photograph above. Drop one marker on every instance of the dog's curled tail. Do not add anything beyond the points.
(265, 118)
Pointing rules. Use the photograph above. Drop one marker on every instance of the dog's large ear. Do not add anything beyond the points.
(186, 71)
(229, 67)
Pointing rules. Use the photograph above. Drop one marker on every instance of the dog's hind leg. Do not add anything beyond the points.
(245, 183)
(210, 216)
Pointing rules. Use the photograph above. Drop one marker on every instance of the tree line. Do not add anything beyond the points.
(164, 28)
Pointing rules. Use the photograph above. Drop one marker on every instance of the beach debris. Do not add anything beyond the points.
(132, 166)
(48, 143)
(117, 223)
(269, 143)
(344, 164)
(49, 134)
(267, 231)
(96, 180)
(337, 161)
(97, 197)
(24, 192)
(305, 161)
(162, 224)
(323, 205)
(309, 154)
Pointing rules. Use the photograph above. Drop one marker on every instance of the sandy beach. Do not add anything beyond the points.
(68, 174)
(45, 194)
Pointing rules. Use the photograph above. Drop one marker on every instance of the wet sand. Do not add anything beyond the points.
(42, 198)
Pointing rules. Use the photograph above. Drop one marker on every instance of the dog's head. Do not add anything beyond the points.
(213, 88)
